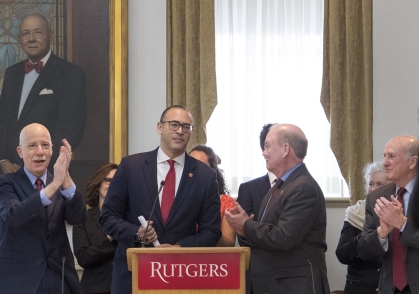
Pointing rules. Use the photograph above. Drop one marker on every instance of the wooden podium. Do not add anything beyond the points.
(217, 270)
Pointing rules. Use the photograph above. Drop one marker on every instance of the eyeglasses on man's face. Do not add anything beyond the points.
(26, 35)
(33, 146)
(174, 126)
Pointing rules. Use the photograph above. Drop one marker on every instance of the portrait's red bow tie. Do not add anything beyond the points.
(29, 66)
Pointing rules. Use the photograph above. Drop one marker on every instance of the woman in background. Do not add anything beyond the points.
(362, 276)
(208, 156)
(93, 249)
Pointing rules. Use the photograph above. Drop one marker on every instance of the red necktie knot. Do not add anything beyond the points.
(29, 66)
(39, 184)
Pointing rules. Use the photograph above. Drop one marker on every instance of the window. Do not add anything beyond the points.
(269, 70)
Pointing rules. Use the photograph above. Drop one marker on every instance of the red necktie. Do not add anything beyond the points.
(29, 66)
(39, 183)
(278, 184)
(399, 271)
(168, 195)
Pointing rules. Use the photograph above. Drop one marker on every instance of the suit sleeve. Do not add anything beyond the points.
(293, 224)
(14, 211)
(347, 250)
(72, 109)
(245, 200)
(90, 253)
(209, 220)
(75, 209)
(369, 247)
(114, 210)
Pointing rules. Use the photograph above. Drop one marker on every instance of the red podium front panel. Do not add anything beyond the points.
(188, 271)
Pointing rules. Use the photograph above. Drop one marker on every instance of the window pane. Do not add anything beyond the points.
(269, 69)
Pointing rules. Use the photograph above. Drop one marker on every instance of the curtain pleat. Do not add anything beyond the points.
(191, 61)
(347, 86)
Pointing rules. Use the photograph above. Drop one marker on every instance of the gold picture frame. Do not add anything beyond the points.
(118, 72)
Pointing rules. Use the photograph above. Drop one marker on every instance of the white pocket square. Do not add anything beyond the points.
(46, 91)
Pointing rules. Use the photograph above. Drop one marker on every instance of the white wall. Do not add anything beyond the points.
(396, 71)
(147, 72)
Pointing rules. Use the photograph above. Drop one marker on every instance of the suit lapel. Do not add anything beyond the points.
(53, 198)
(46, 74)
(18, 77)
(278, 193)
(264, 202)
(184, 185)
(24, 182)
(28, 188)
(95, 213)
(150, 175)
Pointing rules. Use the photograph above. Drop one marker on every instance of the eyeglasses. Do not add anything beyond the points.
(36, 35)
(34, 146)
(107, 180)
(174, 126)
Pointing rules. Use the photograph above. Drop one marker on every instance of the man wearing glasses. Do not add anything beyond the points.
(35, 254)
(44, 89)
(188, 199)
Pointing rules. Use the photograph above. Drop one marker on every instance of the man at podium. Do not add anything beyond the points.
(189, 197)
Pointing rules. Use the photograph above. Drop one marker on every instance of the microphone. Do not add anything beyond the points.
(151, 213)
(62, 279)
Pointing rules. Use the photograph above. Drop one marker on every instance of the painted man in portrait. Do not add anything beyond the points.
(44, 89)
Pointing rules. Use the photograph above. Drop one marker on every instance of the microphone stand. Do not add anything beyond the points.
(152, 210)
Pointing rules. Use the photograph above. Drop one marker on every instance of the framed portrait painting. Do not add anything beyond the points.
(94, 36)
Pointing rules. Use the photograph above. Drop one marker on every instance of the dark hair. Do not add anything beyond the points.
(262, 137)
(92, 190)
(162, 118)
(214, 161)
(298, 143)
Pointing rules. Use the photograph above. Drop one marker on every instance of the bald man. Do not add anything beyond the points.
(44, 89)
(288, 238)
(389, 233)
(34, 206)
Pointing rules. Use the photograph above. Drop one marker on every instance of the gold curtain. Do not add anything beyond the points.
(347, 86)
(191, 61)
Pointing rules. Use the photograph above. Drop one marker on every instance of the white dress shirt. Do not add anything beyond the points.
(163, 168)
(28, 82)
(272, 178)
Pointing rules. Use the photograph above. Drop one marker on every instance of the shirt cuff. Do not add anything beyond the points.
(384, 243)
(401, 230)
(69, 193)
(44, 199)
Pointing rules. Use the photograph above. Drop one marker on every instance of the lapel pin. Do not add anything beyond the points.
(281, 191)
(190, 175)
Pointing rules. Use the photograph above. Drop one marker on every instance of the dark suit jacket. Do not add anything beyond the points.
(363, 276)
(63, 112)
(132, 193)
(250, 196)
(32, 237)
(288, 246)
(94, 253)
(369, 247)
